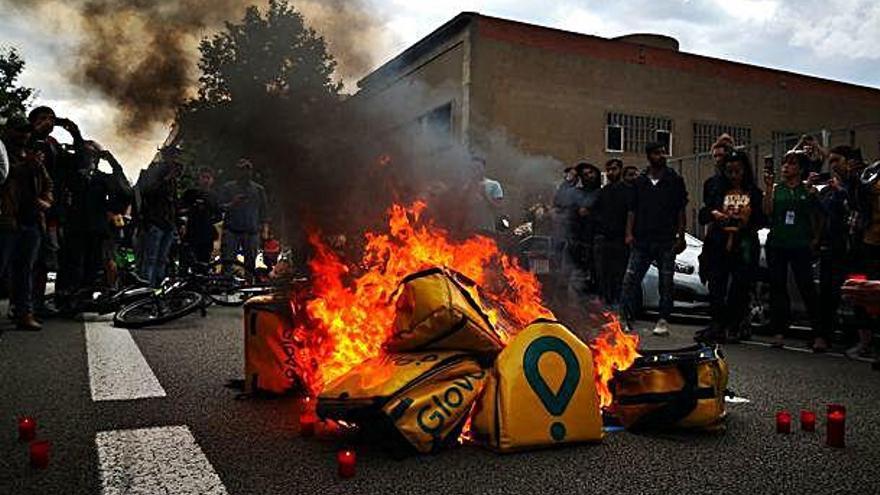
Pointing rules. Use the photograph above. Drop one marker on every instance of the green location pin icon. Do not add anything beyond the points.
(554, 402)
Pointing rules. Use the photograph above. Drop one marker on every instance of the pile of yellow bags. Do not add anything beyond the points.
(446, 363)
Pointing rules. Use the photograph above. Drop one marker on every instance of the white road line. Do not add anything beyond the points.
(155, 460)
(117, 369)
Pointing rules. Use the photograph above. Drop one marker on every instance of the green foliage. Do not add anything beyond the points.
(265, 82)
(13, 98)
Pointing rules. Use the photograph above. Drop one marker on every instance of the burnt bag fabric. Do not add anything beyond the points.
(439, 309)
(269, 346)
(540, 393)
(419, 399)
(681, 388)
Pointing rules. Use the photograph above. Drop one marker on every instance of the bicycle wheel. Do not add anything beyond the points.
(158, 310)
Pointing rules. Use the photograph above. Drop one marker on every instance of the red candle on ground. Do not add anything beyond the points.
(27, 428)
(783, 422)
(346, 459)
(307, 422)
(836, 434)
(39, 451)
(808, 421)
(836, 407)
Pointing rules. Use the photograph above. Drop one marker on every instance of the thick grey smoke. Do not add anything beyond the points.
(142, 54)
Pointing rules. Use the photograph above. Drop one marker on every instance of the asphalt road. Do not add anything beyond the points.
(191, 428)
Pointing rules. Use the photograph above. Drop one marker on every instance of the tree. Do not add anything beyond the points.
(13, 98)
(265, 82)
(265, 92)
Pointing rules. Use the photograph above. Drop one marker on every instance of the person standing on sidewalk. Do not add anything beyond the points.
(655, 233)
(795, 234)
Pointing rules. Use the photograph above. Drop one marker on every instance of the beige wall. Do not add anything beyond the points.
(556, 103)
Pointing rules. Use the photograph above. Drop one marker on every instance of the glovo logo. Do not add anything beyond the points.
(444, 405)
(554, 403)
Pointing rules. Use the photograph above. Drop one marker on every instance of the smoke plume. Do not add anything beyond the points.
(141, 55)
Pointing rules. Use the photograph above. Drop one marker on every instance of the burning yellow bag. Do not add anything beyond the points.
(540, 393)
(421, 398)
(673, 389)
(268, 346)
(439, 309)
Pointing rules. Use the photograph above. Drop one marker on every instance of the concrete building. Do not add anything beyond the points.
(570, 96)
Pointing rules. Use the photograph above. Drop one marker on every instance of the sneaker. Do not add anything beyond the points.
(27, 322)
(662, 328)
(859, 351)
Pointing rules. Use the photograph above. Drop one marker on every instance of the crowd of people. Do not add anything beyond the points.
(607, 236)
(61, 213)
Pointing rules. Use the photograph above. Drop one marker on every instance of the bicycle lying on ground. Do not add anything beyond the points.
(194, 291)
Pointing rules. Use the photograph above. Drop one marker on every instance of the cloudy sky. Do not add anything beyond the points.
(835, 39)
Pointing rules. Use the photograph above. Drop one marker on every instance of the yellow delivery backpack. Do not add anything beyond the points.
(540, 393)
(269, 346)
(419, 399)
(673, 389)
(438, 309)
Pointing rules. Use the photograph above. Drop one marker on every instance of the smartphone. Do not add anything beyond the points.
(823, 178)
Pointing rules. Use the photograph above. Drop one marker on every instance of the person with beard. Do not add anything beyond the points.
(795, 221)
(60, 165)
(722, 147)
(202, 210)
(655, 233)
(569, 206)
(25, 197)
(733, 216)
(611, 251)
(584, 275)
(630, 174)
(246, 220)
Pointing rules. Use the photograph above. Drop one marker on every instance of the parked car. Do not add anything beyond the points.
(690, 295)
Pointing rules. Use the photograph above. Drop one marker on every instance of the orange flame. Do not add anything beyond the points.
(350, 312)
(613, 350)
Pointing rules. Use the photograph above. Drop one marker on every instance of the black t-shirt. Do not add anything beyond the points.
(612, 208)
(202, 213)
(657, 207)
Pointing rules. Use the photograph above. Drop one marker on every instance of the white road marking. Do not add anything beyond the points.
(117, 369)
(155, 460)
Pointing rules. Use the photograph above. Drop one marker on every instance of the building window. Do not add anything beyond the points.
(438, 121)
(614, 138)
(636, 131)
(784, 141)
(705, 134)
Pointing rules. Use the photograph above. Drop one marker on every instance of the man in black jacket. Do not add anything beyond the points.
(655, 233)
(612, 253)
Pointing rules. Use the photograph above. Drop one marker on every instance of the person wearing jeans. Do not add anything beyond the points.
(795, 233)
(24, 198)
(245, 222)
(157, 244)
(655, 232)
(159, 216)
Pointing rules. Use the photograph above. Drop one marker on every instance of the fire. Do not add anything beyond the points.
(612, 350)
(350, 311)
